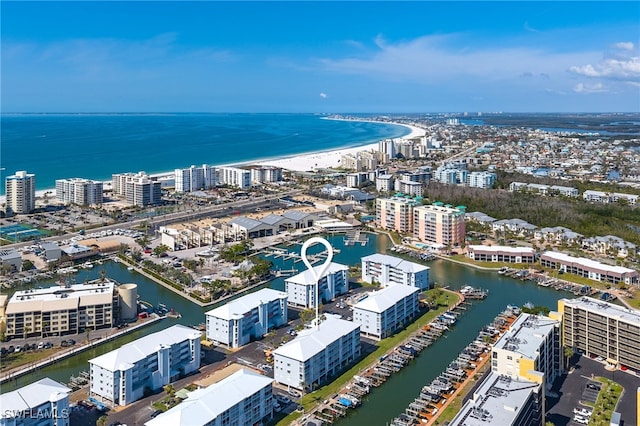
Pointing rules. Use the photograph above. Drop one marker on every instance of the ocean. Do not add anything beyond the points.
(94, 146)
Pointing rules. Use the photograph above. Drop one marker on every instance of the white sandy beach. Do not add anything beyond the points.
(302, 162)
(327, 159)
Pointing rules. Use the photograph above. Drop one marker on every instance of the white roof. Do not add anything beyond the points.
(587, 263)
(505, 249)
(395, 262)
(204, 405)
(61, 298)
(606, 309)
(307, 278)
(32, 396)
(314, 340)
(380, 301)
(127, 355)
(237, 308)
(526, 335)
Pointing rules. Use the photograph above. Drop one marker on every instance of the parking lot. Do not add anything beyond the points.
(578, 387)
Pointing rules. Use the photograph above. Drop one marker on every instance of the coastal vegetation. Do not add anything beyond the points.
(606, 403)
(587, 219)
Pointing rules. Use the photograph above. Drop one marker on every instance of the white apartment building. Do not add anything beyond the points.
(235, 323)
(121, 376)
(504, 401)
(143, 192)
(484, 180)
(395, 213)
(508, 254)
(20, 190)
(388, 270)
(531, 346)
(589, 268)
(243, 398)
(413, 189)
(195, 178)
(385, 183)
(60, 310)
(42, 403)
(609, 197)
(266, 174)
(301, 288)
(233, 176)
(119, 181)
(82, 192)
(354, 180)
(388, 149)
(317, 354)
(386, 310)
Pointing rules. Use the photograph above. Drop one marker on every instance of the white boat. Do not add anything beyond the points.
(87, 265)
(130, 268)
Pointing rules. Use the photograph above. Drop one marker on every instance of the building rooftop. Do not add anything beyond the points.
(497, 401)
(526, 334)
(61, 297)
(127, 355)
(246, 222)
(607, 309)
(312, 341)
(504, 249)
(587, 263)
(31, 396)
(307, 277)
(395, 262)
(202, 406)
(237, 308)
(381, 300)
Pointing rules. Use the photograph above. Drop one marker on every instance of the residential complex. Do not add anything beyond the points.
(395, 213)
(505, 401)
(62, 309)
(439, 225)
(266, 174)
(387, 310)
(609, 197)
(79, 191)
(138, 189)
(506, 254)
(20, 190)
(599, 328)
(42, 403)
(484, 180)
(388, 270)
(529, 348)
(235, 323)
(243, 398)
(317, 354)
(301, 288)
(195, 178)
(589, 268)
(235, 177)
(123, 375)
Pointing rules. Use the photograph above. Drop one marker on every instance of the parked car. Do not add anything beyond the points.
(582, 412)
(156, 414)
(581, 420)
(593, 386)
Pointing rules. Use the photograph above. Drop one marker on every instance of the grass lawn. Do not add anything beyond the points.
(20, 359)
(444, 303)
(606, 403)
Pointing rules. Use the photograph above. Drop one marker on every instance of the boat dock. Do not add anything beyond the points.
(355, 237)
(351, 395)
(435, 396)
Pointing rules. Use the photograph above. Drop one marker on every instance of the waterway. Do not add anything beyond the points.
(384, 403)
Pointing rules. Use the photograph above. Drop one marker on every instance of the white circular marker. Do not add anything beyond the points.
(323, 268)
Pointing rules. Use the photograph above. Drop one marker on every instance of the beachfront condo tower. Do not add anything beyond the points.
(395, 213)
(83, 192)
(195, 178)
(20, 189)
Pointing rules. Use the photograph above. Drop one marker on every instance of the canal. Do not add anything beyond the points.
(384, 403)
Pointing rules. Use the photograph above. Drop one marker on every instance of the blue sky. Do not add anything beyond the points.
(320, 56)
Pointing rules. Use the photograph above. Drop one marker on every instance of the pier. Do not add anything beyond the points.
(355, 237)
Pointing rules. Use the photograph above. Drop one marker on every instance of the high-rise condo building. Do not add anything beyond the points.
(439, 224)
(82, 192)
(395, 213)
(195, 178)
(20, 189)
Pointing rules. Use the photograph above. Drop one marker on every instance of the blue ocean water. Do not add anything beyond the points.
(94, 146)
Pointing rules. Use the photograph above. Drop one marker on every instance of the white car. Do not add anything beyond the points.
(581, 420)
(583, 412)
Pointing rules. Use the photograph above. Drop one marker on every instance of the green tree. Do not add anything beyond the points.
(568, 354)
(159, 250)
(102, 421)
(169, 389)
(27, 265)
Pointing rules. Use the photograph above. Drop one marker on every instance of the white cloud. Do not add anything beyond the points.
(323, 95)
(590, 88)
(624, 45)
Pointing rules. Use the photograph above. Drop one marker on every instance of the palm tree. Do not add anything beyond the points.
(568, 354)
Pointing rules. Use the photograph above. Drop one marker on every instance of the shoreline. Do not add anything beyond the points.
(305, 161)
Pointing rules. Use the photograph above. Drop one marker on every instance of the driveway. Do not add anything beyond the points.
(574, 388)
